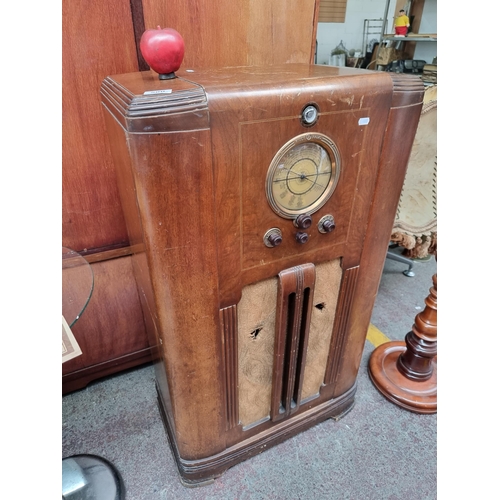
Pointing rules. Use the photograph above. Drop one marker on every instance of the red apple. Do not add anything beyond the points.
(162, 49)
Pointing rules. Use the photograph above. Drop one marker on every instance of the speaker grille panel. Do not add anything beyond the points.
(261, 356)
(256, 325)
(326, 293)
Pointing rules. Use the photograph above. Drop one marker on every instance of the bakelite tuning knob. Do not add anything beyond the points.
(303, 221)
(326, 224)
(302, 237)
(273, 238)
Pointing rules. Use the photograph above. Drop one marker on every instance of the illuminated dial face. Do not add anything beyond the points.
(303, 175)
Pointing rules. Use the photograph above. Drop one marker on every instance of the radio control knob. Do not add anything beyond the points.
(273, 238)
(302, 238)
(303, 221)
(326, 224)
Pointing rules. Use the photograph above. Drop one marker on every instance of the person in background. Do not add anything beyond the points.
(402, 24)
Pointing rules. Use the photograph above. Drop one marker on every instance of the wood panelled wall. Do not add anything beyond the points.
(239, 32)
(100, 39)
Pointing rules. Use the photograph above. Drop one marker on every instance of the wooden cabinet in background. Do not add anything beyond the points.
(111, 331)
(99, 39)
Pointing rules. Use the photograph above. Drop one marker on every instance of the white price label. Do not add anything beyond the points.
(166, 91)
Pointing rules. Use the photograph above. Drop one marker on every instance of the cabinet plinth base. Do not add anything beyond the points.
(416, 396)
(203, 471)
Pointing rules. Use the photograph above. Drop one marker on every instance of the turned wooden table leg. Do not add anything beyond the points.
(406, 372)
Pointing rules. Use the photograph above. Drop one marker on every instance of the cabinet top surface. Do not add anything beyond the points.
(140, 83)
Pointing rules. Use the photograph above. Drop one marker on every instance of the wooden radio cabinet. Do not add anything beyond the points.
(259, 203)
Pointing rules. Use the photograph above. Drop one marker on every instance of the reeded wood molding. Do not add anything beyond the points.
(229, 327)
(406, 83)
(340, 327)
(132, 106)
(407, 90)
(293, 317)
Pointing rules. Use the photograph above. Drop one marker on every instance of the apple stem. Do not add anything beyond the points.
(167, 76)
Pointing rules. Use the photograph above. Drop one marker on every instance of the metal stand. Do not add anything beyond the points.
(371, 27)
(89, 477)
(404, 260)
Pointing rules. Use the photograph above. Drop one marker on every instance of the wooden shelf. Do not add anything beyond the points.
(412, 38)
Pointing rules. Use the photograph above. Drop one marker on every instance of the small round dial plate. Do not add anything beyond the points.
(303, 175)
(309, 115)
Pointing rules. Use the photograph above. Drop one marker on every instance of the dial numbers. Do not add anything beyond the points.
(303, 175)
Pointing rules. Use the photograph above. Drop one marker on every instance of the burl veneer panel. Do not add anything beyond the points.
(97, 38)
(256, 333)
(238, 33)
(325, 301)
